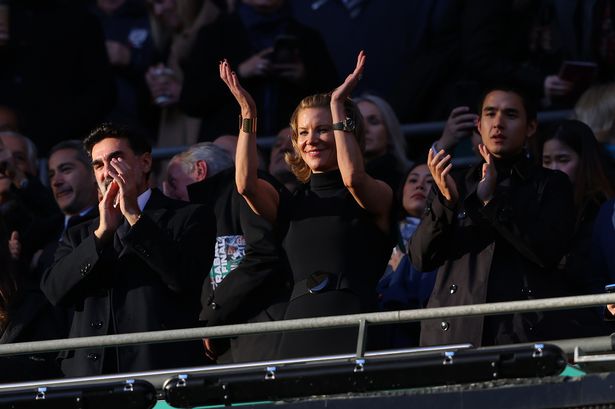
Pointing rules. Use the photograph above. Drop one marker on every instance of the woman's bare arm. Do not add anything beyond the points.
(260, 195)
(371, 194)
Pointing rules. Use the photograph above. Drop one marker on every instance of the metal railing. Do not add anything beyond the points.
(579, 348)
(309, 323)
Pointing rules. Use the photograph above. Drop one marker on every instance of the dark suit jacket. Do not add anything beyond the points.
(504, 251)
(45, 260)
(258, 288)
(151, 282)
(32, 318)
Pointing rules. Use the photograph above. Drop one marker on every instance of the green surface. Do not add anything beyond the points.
(162, 405)
(571, 370)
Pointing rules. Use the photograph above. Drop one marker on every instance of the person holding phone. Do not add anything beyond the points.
(460, 125)
(278, 61)
(337, 227)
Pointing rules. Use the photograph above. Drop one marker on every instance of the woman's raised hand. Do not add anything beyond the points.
(245, 100)
(343, 91)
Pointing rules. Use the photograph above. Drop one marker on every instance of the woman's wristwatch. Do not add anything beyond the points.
(347, 125)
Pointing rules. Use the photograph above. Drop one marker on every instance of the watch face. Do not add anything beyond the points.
(349, 125)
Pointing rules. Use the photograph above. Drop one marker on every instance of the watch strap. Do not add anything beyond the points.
(339, 126)
(347, 125)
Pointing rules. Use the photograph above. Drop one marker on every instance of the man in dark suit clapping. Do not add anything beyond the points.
(138, 267)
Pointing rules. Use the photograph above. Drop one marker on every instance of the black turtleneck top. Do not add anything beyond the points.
(329, 232)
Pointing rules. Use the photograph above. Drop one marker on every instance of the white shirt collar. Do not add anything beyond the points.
(144, 198)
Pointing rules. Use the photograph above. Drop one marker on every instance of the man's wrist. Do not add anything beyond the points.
(449, 202)
(102, 235)
(133, 218)
(484, 196)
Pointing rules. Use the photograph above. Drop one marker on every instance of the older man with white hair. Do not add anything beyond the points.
(247, 280)
(199, 162)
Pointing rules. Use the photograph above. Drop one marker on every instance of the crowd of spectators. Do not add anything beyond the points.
(341, 215)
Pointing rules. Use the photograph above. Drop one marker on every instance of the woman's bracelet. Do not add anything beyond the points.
(247, 125)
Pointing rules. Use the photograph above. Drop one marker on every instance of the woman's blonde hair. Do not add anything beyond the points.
(396, 144)
(297, 165)
(596, 108)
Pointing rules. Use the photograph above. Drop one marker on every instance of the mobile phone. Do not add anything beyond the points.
(609, 288)
(285, 50)
(581, 73)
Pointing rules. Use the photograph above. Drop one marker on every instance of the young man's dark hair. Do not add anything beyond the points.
(138, 143)
(529, 102)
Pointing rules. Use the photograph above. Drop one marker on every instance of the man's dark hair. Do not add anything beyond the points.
(527, 99)
(137, 142)
(77, 146)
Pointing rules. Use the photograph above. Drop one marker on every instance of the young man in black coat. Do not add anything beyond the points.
(497, 234)
(138, 267)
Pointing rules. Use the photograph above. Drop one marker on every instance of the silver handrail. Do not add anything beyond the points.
(308, 323)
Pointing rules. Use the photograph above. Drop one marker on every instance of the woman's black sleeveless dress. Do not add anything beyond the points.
(335, 249)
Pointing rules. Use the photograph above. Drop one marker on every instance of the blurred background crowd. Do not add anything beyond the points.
(68, 65)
